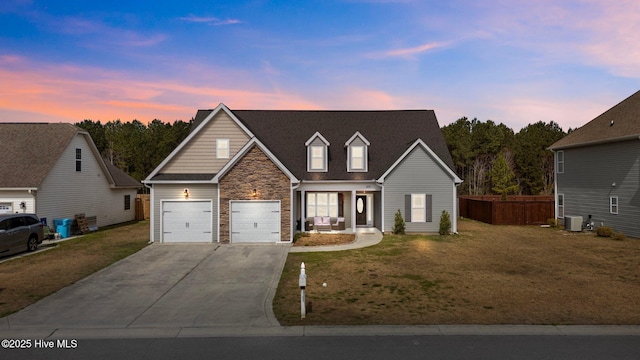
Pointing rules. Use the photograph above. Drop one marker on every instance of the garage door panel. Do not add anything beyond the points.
(255, 221)
(187, 221)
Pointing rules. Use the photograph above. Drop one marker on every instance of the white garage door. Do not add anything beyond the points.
(255, 221)
(186, 221)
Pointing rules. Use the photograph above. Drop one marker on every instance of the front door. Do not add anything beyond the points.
(361, 209)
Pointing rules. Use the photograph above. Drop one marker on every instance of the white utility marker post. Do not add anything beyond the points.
(303, 284)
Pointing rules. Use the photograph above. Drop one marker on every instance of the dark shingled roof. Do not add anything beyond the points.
(28, 152)
(284, 133)
(621, 122)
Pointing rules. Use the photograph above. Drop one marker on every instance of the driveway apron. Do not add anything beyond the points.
(168, 285)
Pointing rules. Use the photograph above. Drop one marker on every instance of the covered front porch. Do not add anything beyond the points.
(338, 206)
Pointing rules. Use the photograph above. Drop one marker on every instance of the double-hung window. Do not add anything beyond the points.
(317, 157)
(78, 159)
(222, 148)
(317, 153)
(613, 205)
(560, 206)
(418, 208)
(357, 157)
(560, 162)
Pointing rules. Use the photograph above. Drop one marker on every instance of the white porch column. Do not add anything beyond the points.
(353, 210)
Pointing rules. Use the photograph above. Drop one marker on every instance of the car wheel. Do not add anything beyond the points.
(32, 244)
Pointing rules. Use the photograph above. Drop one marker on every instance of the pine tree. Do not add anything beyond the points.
(398, 227)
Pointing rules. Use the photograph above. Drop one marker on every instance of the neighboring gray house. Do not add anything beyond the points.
(259, 175)
(598, 169)
(55, 171)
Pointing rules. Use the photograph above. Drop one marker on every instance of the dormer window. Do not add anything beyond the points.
(357, 149)
(317, 153)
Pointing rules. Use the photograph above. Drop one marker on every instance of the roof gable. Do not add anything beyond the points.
(420, 143)
(621, 122)
(30, 150)
(253, 142)
(31, 164)
(203, 118)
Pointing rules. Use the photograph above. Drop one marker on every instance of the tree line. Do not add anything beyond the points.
(135, 147)
(489, 157)
(492, 159)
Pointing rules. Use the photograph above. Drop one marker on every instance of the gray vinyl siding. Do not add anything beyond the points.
(175, 192)
(418, 173)
(198, 156)
(587, 184)
(66, 192)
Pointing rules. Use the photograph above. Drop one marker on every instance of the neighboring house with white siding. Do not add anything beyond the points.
(261, 175)
(597, 173)
(55, 171)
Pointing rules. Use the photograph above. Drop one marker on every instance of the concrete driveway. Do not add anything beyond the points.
(166, 286)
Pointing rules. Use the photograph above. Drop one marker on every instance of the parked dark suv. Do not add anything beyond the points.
(19, 232)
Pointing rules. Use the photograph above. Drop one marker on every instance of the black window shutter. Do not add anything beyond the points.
(429, 208)
(407, 208)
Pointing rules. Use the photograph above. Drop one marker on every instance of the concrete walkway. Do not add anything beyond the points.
(364, 237)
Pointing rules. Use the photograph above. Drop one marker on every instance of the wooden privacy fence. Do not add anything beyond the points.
(143, 206)
(516, 210)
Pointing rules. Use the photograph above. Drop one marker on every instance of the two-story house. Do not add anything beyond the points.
(597, 173)
(260, 175)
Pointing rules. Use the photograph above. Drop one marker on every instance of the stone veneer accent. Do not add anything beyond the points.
(255, 171)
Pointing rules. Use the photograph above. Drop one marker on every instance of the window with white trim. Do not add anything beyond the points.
(317, 158)
(78, 159)
(560, 162)
(357, 157)
(357, 147)
(322, 204)
(418, 208)
(560, 206)
(613, 205)
(222, 148)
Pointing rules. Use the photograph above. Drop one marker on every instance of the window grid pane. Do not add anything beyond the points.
(317, 157)
(222, 148)
(418, 211)
(357, 157)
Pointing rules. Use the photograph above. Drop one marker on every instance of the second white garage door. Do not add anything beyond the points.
(255, 221)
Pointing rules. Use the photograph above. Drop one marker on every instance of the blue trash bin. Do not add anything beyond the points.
(63, 227)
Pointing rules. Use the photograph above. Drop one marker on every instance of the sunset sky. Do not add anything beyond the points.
(511, 61)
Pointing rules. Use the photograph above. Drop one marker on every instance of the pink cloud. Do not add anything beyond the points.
(408, 52)
(76, 93)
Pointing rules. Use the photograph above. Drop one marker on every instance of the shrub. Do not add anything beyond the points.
(604, 231)
(553, 223)
(399, 226)
(445, 223)
(618, 236)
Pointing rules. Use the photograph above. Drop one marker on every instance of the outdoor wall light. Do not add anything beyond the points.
(186, 193)
(254, 193)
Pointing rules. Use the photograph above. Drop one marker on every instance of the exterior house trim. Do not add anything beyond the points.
(421, 143)
(220, 107)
